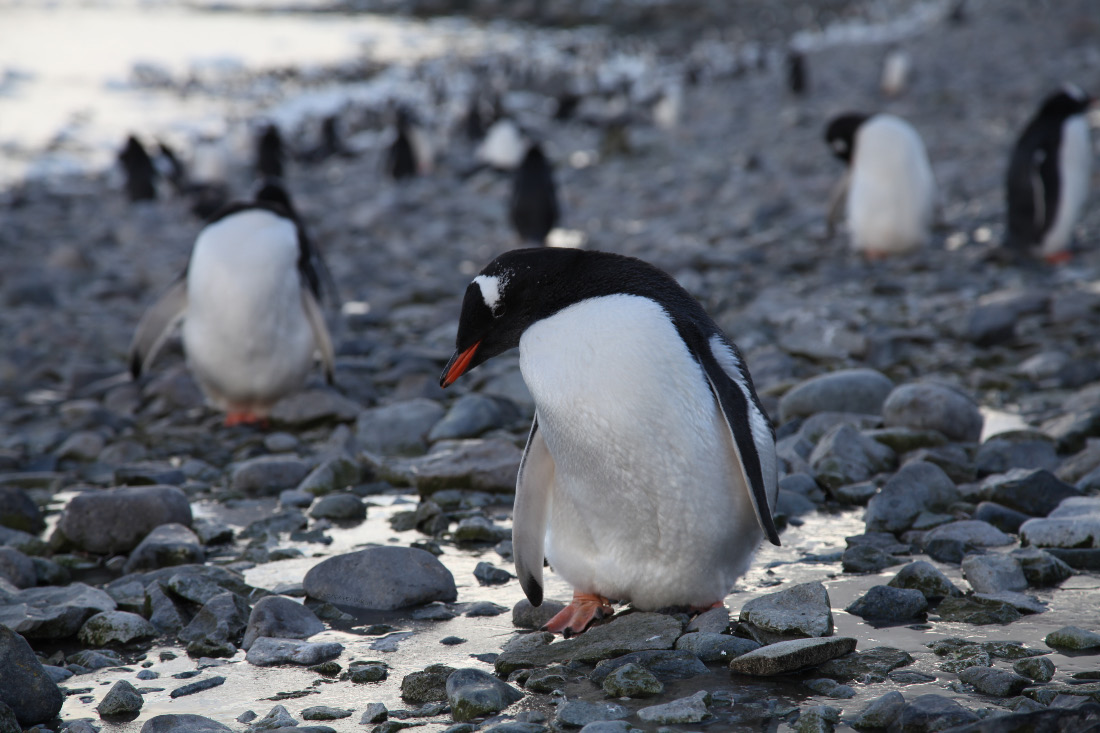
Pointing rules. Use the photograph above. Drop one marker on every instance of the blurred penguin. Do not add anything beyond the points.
(896, 68)
(504, 145)
(410, 153)
(270, 154)
(207, 186)
(140, 172)
(534, 206)
(796, 72)
(1048, 177)
(890, 189)
(171, 167)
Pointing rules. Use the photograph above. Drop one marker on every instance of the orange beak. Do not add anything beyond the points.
(458, 365)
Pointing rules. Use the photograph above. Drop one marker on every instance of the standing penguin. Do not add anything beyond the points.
(401, 159)
(1048, 176)
(141, 174)
(248, 302)
(650, 470)
(270, 155)
(534, 205)
(891, 193)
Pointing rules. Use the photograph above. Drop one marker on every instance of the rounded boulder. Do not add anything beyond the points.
(381, 578)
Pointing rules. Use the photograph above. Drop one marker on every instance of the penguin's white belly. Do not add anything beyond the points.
(892, 193)
(647, 503)
(1074, 161)
(245, 333)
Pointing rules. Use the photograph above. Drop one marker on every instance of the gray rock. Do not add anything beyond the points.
(17, 568)
(53, 612)
(480, 464)
(362, 672)
(30, 693)
(970, 532)
(713, 620)
(314, 406)
(144, 473)
(993, 573)
(167, 545)
(867, 559)
(398, 429)
(18, 511)
(333, 474)
(801, 610)
(870, 666)
(790, 656)
(276, 718)
(665, 665)
(1040, 567)
(325, 712)
(198, 686)
(880, 712)
(1033, 492)
(483, 608)
(608, 726)
(996, 682)
(1073, 638)
(429, 685)
(115, 627)
(215, 629)
(929, 713)
(282, 618)
(1039, 669)
(632, 680)
(1074, 524)
(489, 574)
(185, 723)
(478, 529)
(92, 660)
(112, 521)
(953, 459)
(471, 415)
(296, 499)
(1016, 451)
(121, 699)
(711, 647)
(790, 504)
(991, 324)
(684, 710)
(578, 713)
(268, 475)
(83, 445)
(549, 679)
(887, 603)
(917, 487)
(929, 406)
(526, 616)
(375, 712)
(830, 688)
(926, 578)
(845, 390)
(846, 456)
(1001, 517)
(266, 651)
(817, 719)
(474, 694)
(383, 578)
(977, 611)
(340, 507)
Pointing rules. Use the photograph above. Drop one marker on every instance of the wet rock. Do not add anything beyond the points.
(830, 688)
(1040, 567)
(970, 532)
(198, 686)
(846, 456)
(1074, 524)
(790, 656)
(817, 719)
(325, 712)
(112, 521)
(383, 578)
(362, 672)
(1020, 601)
(115, 627)
(880, 712)
(429, 685)
(217, 626)
(1016, 451)
(268, 475)
(433, 612)
(186, 723)
(281, 618)
(167, 545)
(526, 616)
(684, 710)
(665, 665)
(474, 694)
(144, 473)
(480, 464)
(334, 474)
(489, 574)
(375, 712)
(90, 659)
(314, 406)
(278, 717)
(926, 578)
(845, 390)
(1033, 492)
(578, 713)
(993, 573)
(802, 610)
(608, 726)
(632, 680)
(887, 603)
(266, 651)
(53, 612)
(977, 611)
(870, 666)
(473, 530)
(340, 507)
(17, 568)
(398, 429)
(1039, 669)
(991, 324)
(714, 620)
(121, 699)
(30, 693)
(295, 498)
(996, 682)
(855, 494)
(711, 647)
(929, 713)
(917, 487)
(18, 511)
(549, 679)
(934, 407)
(867, 559)
(1001, 517)
(1073, 638)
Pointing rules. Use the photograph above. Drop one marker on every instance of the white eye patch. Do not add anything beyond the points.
(491, 287)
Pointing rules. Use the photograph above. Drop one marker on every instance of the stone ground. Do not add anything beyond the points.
(889, 451)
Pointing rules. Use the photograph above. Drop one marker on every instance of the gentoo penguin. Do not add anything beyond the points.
(534, 205)
(891, 193)
(649, 474)
(269, 153)
(248, 302)
(503, 147)
(895, 72)
(401, 160)
(796, 71)
(1048, 176)
(141, 174)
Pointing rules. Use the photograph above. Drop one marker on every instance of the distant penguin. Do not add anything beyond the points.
(140, 172)
(649, 474)
(171, 167)
(503, 147)
(401, 160)
(534, 204)
(796, 72)
(1048, 177)
(248, 302)
(890, 189)
(270, 154)
(895, 72)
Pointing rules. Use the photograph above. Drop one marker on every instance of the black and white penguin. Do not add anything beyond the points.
(270, 154)
(400, 156)
(1048, 176)
(889, 186)
(534, 204)
(141, 174)
(248, 302)
(796, 71)
(649, 474)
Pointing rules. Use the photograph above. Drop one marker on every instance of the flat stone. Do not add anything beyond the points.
(845, 390)
(383, 578)
(113, 521)
(802, 610)
(917, 487)
(665, 665)
(185, 723)
(266, 651)
(928, 406)
(268, 475)
(1001, 517)
(711, 647)
(929, 713)
(632, 680)
(1073, 638)
(684, 710)
(886, 603)
(845, 456)
(312, 406)
(28, 690)
(481, 464)
(398, 429)
(817, 719)
(473, 694)
(973, 610)
(790, 656)
(927, 578)
(972, 532)
(333, 474)
(198, 686)
(994, 573)
(115, 627)
(870, 666)
(53, 612)
(471, 415)
(1020, 601)
(280, 617)
(992, 681)
(325, 712)
(579, 713)
(339, 507)
(867, 559)
(428, 685)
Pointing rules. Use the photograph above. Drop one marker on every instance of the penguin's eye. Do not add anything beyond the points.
(839, 145)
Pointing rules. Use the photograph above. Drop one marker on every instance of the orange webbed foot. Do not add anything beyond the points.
(1058, 258)
(583, 610)
(244, 417)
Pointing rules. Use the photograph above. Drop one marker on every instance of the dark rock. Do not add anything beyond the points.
(429, 685)
(198, 686)
(474, 694)
(1033, 492)
(268, 652)
(471, 415)
(489, 574)
(996, 682)
(17, 568)
(994, 573)
(1001, 517)
(867, 559)
(830, 688)
(845, 456)
(115, 627)
(1039, 669)
(790, 656)
(488, 464)
(684, 710)
(870, 666)
(926, 578)
(802, 610)
(325, 712)
(991, 324)
(383, 578)
(915, 488)
(398, 429)
(929, 713)
(362, 672)
(632, 680)
(268, 475)
(112, 521)
(340, 507)
(886, 603)
(1078, 559)
(333, 474)
(973, 610)
(53, 612)
(282, 618)
(183, 724)
(665, 665)
(526, 616)
(712, 647)
(312, 406)
(1016, 451)
(121, 699)
(881, 712)
(18, 511)
(1041, 568)
(167, 545)
(217, 626)
(934, 407)
(1073, 638)
(579, 713)
(30, 693)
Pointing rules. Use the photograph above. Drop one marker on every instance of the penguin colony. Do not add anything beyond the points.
(650, 474)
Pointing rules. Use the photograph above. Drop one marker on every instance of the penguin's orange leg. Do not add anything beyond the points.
(875, 255)
(1058, 258)
(244, 417)
(704, 609)
(584, 609)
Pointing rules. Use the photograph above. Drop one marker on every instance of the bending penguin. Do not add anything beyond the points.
(248, 302)
(891, 193)
(649, 474)
(1048, 177)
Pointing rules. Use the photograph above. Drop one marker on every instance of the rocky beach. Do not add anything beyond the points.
(349, 567)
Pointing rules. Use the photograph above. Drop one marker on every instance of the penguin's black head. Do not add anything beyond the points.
(840, 135)
(272, 191)
(1066, 102)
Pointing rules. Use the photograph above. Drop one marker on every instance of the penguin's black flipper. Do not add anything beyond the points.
(529, 518)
